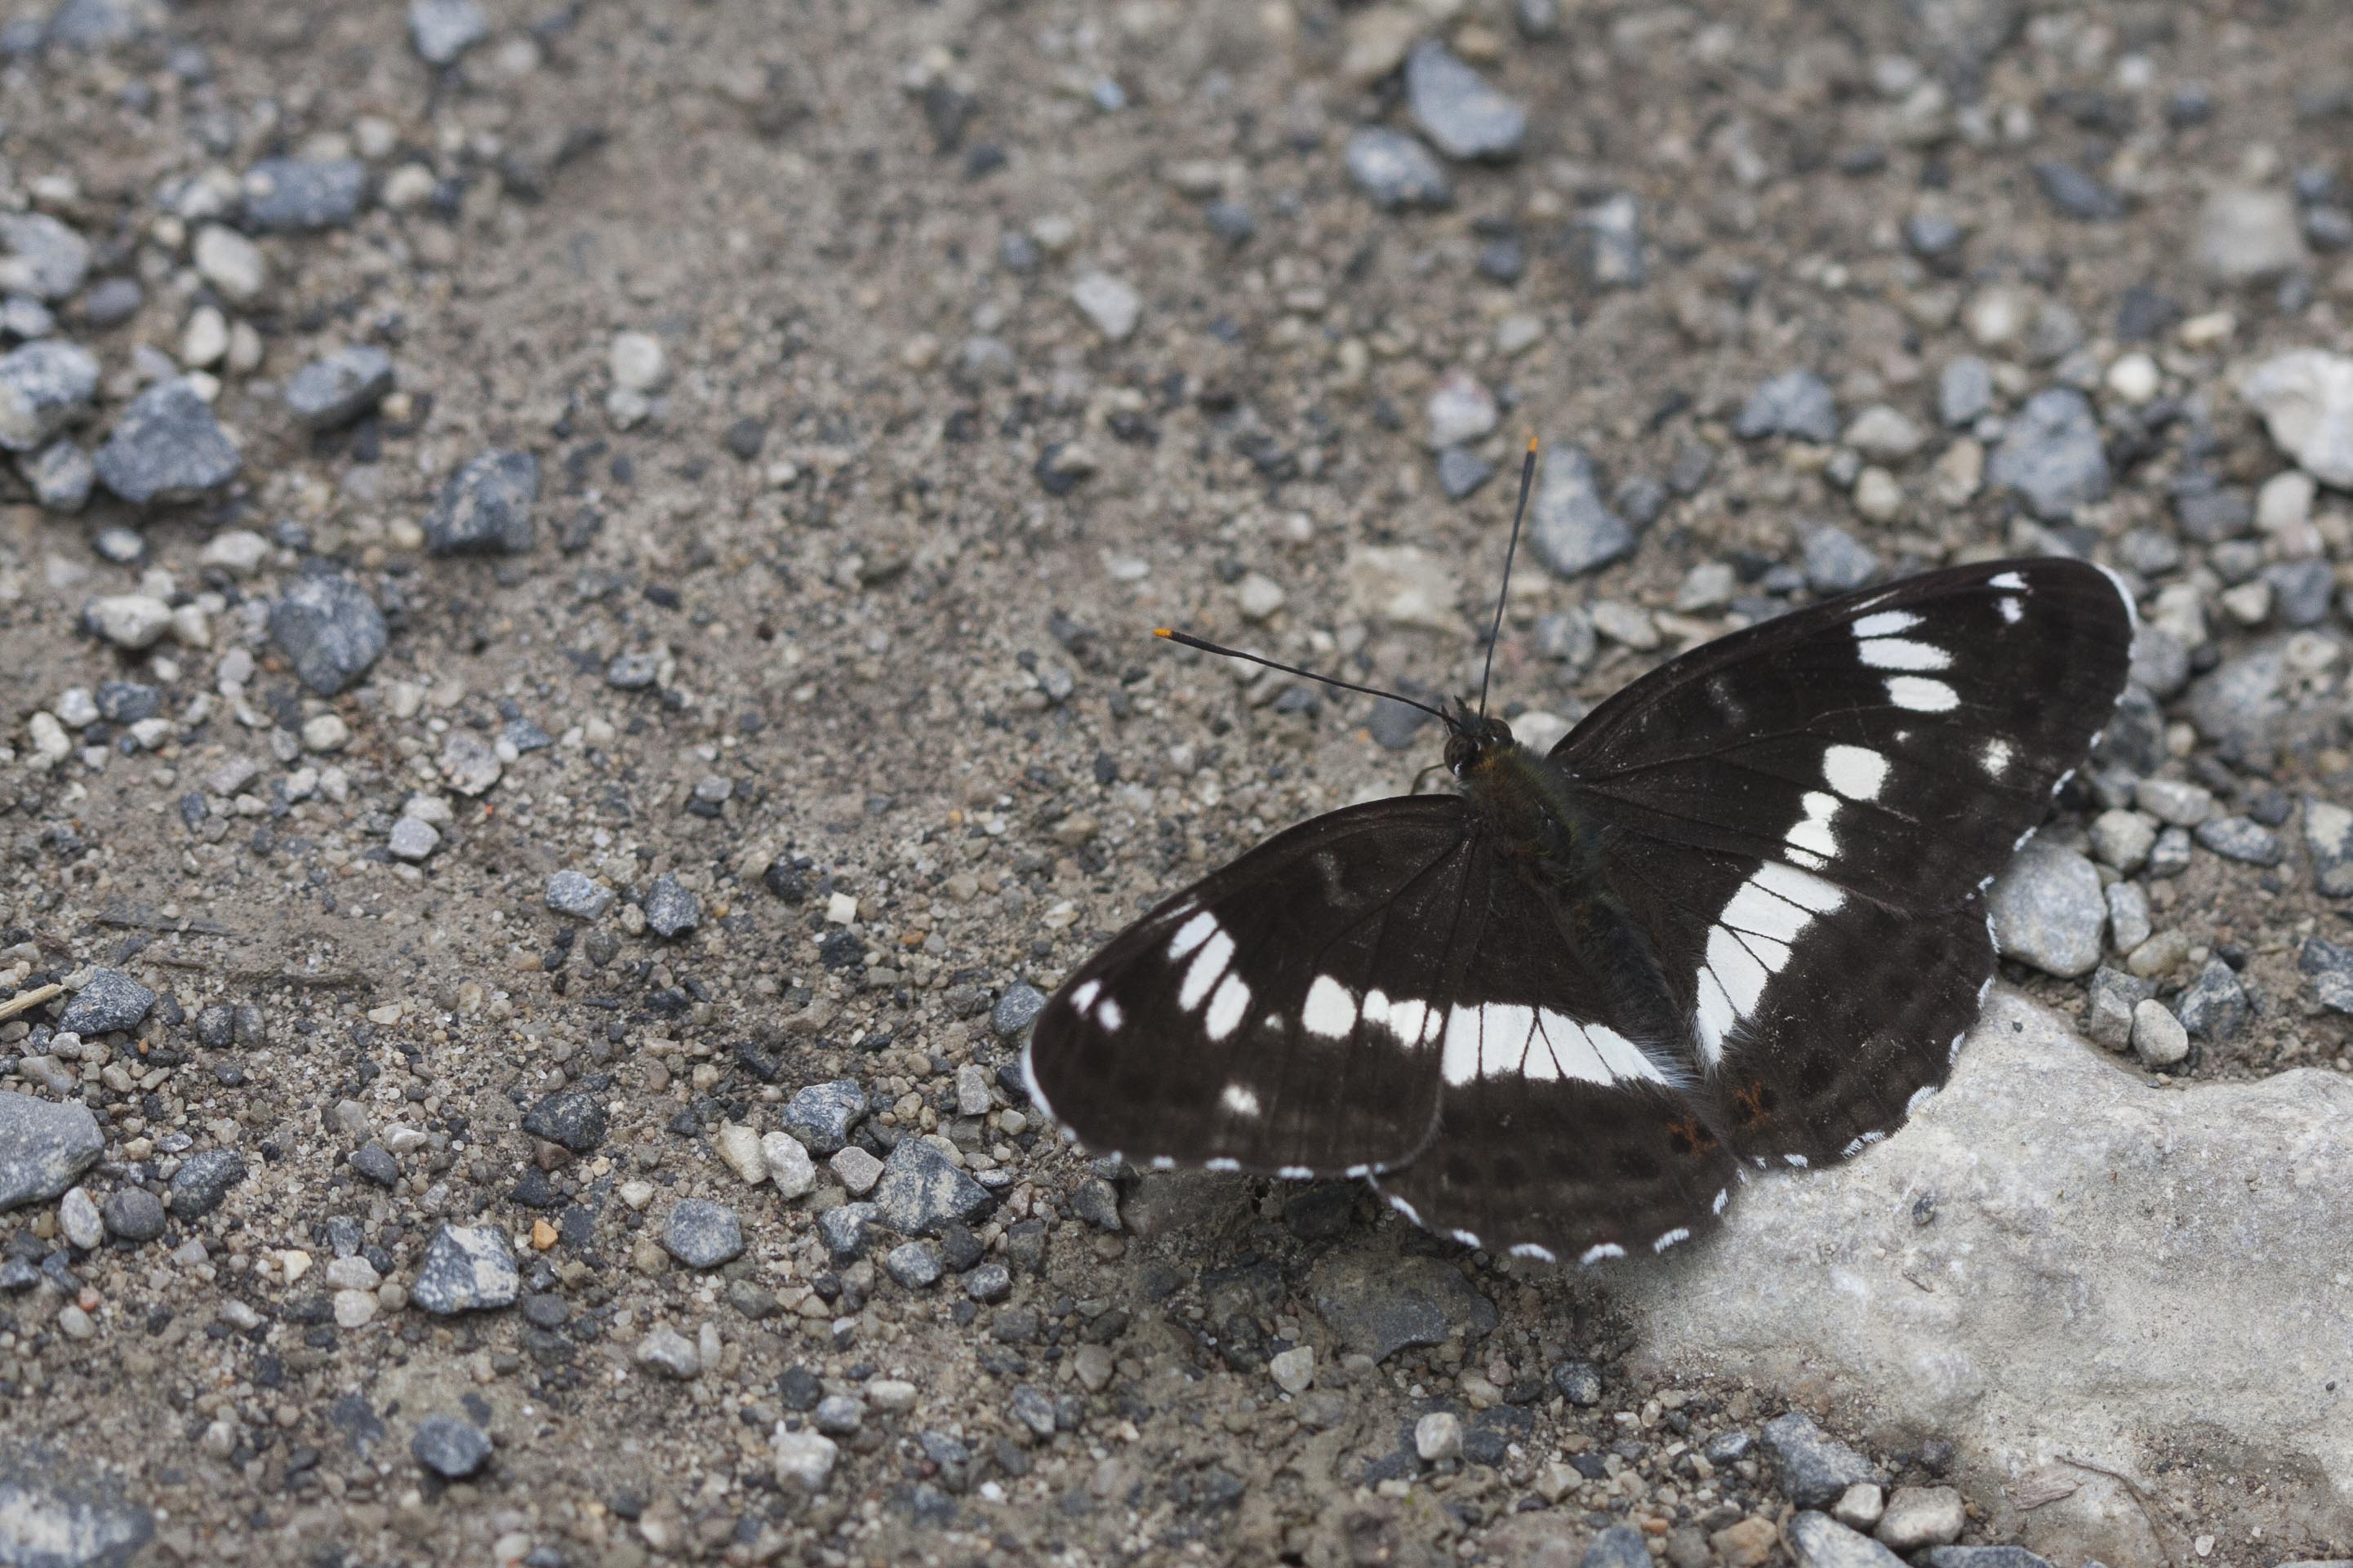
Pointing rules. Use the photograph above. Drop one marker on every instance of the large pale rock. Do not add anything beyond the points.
(2110, 1273)
(2306, 396)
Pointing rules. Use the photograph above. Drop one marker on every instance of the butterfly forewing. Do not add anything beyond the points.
(1283, 1014)
(1803, 817)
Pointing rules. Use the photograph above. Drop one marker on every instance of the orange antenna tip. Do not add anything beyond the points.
(1531, 443)
(1162, 632)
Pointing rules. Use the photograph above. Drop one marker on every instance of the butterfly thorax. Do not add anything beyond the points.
(1523, 808)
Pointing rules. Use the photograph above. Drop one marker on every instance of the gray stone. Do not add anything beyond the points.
(920, 1191)
(2215, 1006)
(2174, 801)
(374, 1162)
(2301, 591)
(1378, 1304)
(470, 761)
(110, 302)
(2331, 968)
(202, 1182)
(2328, 842)
(2305, 398)
(128, 620)
(847, 1230)
(574, 1117)
(1811, 1468)
(63, 1512)
(2048, 910)
(44, 387)
(284, 195)
(1110, 303)
(1395, 170)
(1823, 1541)
(2048, 1255)
(1016, 1010)
(25, 317)
(1920, 1516)
(1835, 562)
(1464, 115)
(2128, 915)
(330, 629)
(820, 1116)
(167, 447)
(1797, 402)
(1438, 1437)
(803, 1459)
(1460, 472)
(2051, 455)
(133, 1214)
(988, 1282)
(855, 1169)
(633, 671)
(78, 1220)
(702, 1233)
(1605, 241)
(1578, 1381)
(2076, 193)
(1570, 528)
(2159, 1037)
(2247, 235)
(670, 909)
(2123, 839)
(1984, 1557)
(914, 1264)
(2209, 512)
(110, 1001)
(450, 1448)
(466, 1269)
(2170, 856)
(573, 893)
(2108, 1016)
(442, 31)
(42, 256)
(485, 508)
(665, 1350)
(333, 391)
(62, 476)
(412, 840)
(1964, 392)
(2241, 838)
(93, 25)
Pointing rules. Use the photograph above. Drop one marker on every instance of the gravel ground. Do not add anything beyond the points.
(576, 581)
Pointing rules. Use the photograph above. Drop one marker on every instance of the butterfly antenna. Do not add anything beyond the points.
(1188, 639)
(1527, 479)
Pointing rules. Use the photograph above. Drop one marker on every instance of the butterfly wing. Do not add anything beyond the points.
(1803, 816)
(1282, 1014)
(1564, 1129)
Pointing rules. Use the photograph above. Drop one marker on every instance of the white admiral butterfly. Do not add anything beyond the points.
(1736, 918)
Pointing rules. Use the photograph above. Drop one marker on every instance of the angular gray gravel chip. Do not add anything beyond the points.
(920, 1191)
(1571, 528)
(1464, 115)
(1395, 170)
(450, 1448)
(1814, 1470)
(167, 447)
(2048, 910)
(331, 629)
(2051, 455)
(202, 1182)
(110, 1001)
(336, 389)
(44, 1145)
(702, 1233)
(287, 194)
(44, 387)
(485, 508)
(466, 1269)
(1797, 402)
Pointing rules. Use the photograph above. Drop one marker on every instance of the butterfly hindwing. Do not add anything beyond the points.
(1283, 1014)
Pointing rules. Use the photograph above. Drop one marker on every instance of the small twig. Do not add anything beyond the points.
(2140, 1498)
(319, 980)
(185, 925)
(28, 1001)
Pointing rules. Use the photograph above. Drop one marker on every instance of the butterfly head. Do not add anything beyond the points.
(1474, 739)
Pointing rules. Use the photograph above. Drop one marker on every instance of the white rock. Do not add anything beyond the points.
(1885, 432)
(2159, 1037)
(1921, 1516)
(1111, 304)
(355, 1308)
(129, 620)
(238, 551)
(2135, 378)
(205, 340)
(325, 732)
(2306, 396)
(231, 263)
(790, 1169)
(1258, 597)
(637, 362)
(1437, 1435)
(1403, 586)
(2114, 1271)
(803, 1458)
(1294, 1369)
(739, 1148)
(1461, 409)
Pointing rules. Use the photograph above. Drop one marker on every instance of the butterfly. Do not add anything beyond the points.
(1735, 918)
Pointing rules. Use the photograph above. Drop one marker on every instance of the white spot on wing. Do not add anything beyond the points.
(1109, 1016)
(1857, 772)
(1996, 757)
(1918, 694)
(1207, 966)
(1681, 1233)
(1503, 1033)
(1530, 1249)
(1722, 1195)
(1886, 624)
(1227, 1007)
(1902, 653)
(2011, 610)
(1331, 1010)
(1407, 1209)
(2009, 580)
(1735, 970)
(1920, 1096)
(1192, 934)
(1460, 1062)
(1084, 996)
(1239, 1098)
(1712, 1018)
(1814, 832)
(1295, 1172)
(1468, 1239)
(1596, 1253)
(1808, 891)
(1222, 1163)
(1797, 1160)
